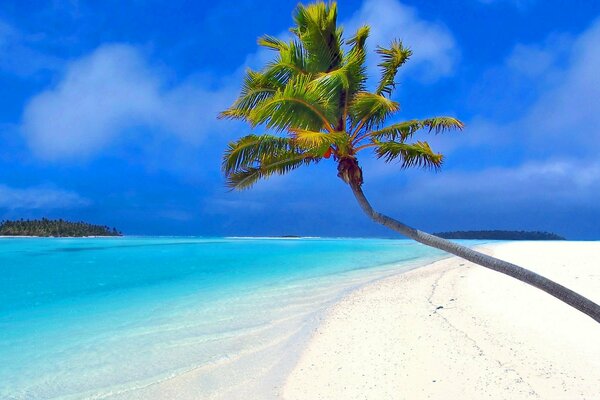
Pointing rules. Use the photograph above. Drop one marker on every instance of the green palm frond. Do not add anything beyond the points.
(271, 42)
(392, 60)
(369, 110)
(259, 156)
(246, 177)
(316, 28)
(297, 106)
(359, 39)
(291, 62)
(319, 141)
(355, 61)
(417, 154)
(442, 124)
(250, 149)
(336, 79)
(404, 130)
(332, 85)
(257, 87)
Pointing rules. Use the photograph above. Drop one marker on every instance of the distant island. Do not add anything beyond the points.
(54, 228)
(500, 235)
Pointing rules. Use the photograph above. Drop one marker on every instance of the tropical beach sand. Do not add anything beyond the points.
(454, 330)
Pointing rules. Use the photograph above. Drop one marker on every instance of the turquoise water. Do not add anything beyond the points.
(132, 317)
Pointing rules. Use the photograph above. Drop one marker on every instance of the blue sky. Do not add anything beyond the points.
(107, 114)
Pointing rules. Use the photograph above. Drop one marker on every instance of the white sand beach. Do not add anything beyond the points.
(455, 330)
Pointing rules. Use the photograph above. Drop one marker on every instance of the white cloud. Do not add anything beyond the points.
(40, 197)
(549, 96)
(540, 61)
(435, 52)
(555, 180)
(103, 95)
(566, 117)
(557, 195)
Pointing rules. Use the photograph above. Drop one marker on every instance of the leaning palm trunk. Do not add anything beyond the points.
(315, 93)
(562, 293)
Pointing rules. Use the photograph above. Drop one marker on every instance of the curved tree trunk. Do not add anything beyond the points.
(562, 293)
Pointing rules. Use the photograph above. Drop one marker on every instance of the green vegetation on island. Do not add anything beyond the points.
(500, 235)
(54, 228)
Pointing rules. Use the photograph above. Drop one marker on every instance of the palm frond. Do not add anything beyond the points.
(316, 28)
(290, 62)
(257, 87)
(442, 124)
(404, 130)
(259, 156)
(250, 149)
(297, 106)
(392, 60)
(331, 85)
(369, 110)
(355, 61)
(417, 154)
(245, 178)
(271, 42)
(359, 39)
(349, 78)
(318, 142)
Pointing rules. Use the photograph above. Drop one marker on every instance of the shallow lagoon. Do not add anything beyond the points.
(108, 317)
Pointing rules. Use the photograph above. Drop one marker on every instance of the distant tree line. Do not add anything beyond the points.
(54, 228)
(500, 235)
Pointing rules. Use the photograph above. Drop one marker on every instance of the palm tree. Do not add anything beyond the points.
(314, 97)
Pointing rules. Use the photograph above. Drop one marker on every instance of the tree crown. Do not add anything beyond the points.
(313, 95)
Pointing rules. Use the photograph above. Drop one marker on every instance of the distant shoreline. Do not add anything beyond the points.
(45, 227)
(55, 237)
(499, 235)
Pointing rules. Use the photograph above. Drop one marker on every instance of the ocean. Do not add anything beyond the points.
(160, 317)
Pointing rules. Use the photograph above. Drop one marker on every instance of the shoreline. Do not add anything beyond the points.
(58, 237)
(454, 329)
(277, 368)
